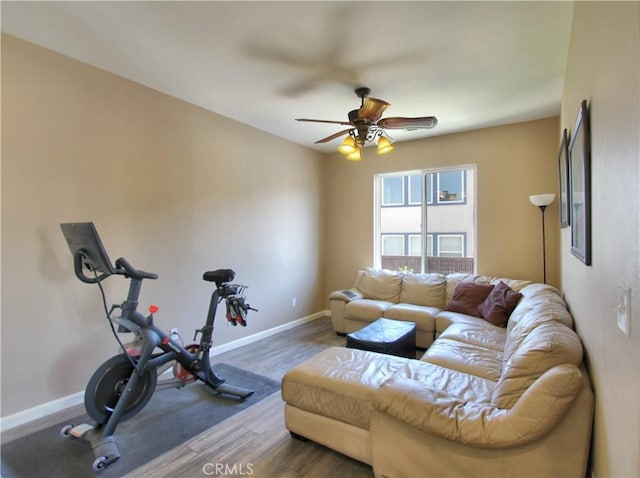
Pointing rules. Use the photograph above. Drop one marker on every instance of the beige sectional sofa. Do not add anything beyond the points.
(483, 400)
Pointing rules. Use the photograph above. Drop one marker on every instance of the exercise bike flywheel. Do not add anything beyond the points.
(109, 382)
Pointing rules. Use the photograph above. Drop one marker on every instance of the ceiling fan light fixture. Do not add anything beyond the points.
(348, 146)
(355, 155)
(384, 145)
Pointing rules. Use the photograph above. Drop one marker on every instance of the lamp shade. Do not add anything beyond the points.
(384, 145)
(355, 156)
(348, 146)
(542, 199)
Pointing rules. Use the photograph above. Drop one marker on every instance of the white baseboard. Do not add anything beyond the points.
(56, 406)
(40, 411)
(266, 333)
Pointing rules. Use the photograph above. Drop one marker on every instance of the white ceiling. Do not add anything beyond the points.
(471, 64)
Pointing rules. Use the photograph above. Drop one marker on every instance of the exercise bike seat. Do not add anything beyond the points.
(219, 276)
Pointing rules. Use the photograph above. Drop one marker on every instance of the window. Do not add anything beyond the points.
(415, 245)
(443, 201)
(450, 245)
(450, 187)
(393, 245)
(393, 191)
(415, 189)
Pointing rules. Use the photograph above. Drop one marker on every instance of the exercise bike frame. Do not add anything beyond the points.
(152, 338)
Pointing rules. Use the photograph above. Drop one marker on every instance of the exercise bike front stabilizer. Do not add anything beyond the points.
(122, 386)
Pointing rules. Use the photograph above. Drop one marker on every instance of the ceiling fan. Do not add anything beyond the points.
(365, 125)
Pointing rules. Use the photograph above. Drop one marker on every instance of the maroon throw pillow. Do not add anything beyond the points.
(467, 296)
(499, 304)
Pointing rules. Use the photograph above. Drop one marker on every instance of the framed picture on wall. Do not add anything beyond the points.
(563, 174)
(580, 186)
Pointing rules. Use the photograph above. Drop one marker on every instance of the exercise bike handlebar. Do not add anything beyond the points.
(123, 267)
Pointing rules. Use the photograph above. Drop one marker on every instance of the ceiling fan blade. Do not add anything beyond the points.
(334, 136)
(323, 121)
(372, 109)
(424, 122)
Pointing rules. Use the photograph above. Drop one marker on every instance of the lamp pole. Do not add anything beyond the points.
(542, 201)
(544, 247)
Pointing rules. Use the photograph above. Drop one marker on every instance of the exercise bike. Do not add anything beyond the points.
(122, 386)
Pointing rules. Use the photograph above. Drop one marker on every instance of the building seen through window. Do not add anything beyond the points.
(441, 200)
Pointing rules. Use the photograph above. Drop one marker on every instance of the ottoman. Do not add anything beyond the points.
(393, 337)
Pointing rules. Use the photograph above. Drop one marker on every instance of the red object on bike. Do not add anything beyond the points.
(182, 373)
(153, 309)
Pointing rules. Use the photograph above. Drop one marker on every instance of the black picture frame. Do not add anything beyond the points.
(563, 175)
(580, 186)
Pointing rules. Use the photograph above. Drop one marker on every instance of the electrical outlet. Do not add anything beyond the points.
(174, 334)
(624, 311)
(294, 302)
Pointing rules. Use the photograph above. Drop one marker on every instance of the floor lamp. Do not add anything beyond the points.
(542, 201)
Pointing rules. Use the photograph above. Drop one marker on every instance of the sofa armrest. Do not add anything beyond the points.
(346, 295)
(337, 300)
(483, 425)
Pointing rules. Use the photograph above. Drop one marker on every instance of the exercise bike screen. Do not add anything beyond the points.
(83, 240)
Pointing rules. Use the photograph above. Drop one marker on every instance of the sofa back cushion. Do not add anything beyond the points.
(548, 344)
(540, 303)
(537, 298)
(380, 284)
(424, 289)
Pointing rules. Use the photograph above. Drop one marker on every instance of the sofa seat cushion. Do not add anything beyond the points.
(445, 318)
(340, 383)
(468, 358)
(479, 333)
(434, 411)
(366, 310)
(458, 385)
(422, 316)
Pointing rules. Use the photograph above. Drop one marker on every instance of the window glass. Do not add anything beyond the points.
(450, 186)
(415, 245)
(450, 246)
(392, 245)
(392, 191)
(415, 189)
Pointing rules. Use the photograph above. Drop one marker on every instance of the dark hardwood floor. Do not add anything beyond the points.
(255, 442)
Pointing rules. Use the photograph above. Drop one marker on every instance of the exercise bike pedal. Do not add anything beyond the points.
(233, 390)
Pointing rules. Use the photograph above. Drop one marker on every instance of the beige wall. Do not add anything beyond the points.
(174, 188)
(604, 68)
(513, 162)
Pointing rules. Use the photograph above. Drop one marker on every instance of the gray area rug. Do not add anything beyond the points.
(171, 417)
